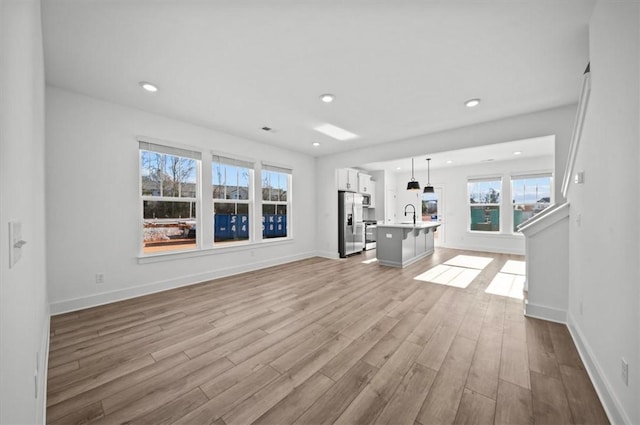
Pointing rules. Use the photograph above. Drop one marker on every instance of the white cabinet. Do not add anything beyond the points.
(364, 183)
(348, 179)
(367, 186)
(372, 191)
(354, 181)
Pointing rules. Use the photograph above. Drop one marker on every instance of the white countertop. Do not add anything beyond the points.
(418, 225)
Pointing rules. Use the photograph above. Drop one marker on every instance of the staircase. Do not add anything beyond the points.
(547, 259)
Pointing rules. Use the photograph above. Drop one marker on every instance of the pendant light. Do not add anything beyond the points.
(413, 184)
(428, 188)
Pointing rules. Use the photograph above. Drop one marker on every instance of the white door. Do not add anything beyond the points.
(433, 210)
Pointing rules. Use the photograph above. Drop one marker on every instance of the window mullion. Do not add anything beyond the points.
(161, 174)
(206, 205)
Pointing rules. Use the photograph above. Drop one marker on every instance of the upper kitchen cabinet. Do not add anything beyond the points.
(372, 194)
(366, 186)
(364, 183)
(348, 179)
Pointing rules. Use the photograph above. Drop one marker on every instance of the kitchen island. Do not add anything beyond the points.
(399, 245)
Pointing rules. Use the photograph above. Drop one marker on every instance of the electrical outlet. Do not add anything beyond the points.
(100, 278)
(624, 371)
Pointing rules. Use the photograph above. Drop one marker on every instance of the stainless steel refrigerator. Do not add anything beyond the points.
(350, 224)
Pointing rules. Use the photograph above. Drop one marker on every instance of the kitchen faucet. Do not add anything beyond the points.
(414, 212)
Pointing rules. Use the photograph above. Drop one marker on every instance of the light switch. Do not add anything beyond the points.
(579, 177)
(15, 242)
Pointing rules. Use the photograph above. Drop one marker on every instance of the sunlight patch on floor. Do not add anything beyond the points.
(507, 285)
(469, 261)
(373, 260)
(510, 281)
(514, 267)
(443, 274)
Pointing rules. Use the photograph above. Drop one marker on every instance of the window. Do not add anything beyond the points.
(236, 201)
(276, 201)
(169, 190)
(232, 199)
(531, 194)
(484, 204)
(430, 207)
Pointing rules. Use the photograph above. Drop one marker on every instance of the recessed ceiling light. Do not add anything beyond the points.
(517, 153)
(449, 161)
(327, 97)
(471, 103)
(315, 144)
(398, 168)
(335, 132)
(149, 86)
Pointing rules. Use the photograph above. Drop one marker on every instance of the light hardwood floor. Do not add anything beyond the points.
(319, 342)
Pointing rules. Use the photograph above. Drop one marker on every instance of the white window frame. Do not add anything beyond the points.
(288, 171)
(233, 161)
(491, 178)
(166, 149)
(528, 176)
(204, 205)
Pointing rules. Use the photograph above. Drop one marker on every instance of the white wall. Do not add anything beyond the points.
(24, 314)
(556, 122)
(453, 181)
(547, 265)
(604, 229)
(93, 203)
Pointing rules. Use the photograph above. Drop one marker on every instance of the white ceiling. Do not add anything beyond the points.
(529, 148)
(398, 68)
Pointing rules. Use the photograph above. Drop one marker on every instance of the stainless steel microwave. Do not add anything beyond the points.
(366, 200)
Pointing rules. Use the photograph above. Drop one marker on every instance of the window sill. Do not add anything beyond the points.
(169, 256)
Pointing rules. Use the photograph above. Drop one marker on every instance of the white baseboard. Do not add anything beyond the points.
(328, 254)
(480, 248)
(94, 300)
(545, 313)
(41, 415)
(611, 404)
